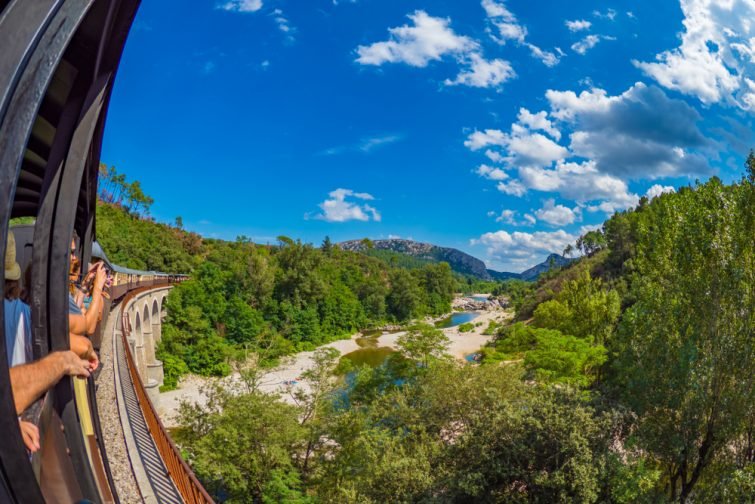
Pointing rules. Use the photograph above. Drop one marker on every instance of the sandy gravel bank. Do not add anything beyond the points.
(279, 380)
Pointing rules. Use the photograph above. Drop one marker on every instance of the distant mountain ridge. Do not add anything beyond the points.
(460, 262)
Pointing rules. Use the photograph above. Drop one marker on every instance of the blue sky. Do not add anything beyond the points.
(502, 128)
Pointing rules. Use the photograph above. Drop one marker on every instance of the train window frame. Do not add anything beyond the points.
(36, 37)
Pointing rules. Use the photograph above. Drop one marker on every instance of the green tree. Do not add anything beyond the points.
(403, 299)
(591, 242)
(686, 357)
(242, 447)
(422, 343)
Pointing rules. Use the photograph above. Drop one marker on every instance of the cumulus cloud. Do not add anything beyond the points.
(580, 182)
(556, 215)
(490, 173)
(524, 145)
(640, 133)
(483, 73)
(657, 190)
(519, 248)
(716, 57)
(429, 39)
(338, 208)
(578, 25)
(241, 5)
(538, 122)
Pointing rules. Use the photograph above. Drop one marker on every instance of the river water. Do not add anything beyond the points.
(372, 355)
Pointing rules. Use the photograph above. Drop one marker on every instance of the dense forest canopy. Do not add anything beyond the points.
(626, 377)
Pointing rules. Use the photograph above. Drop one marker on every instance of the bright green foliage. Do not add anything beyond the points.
(423, 343)
(492, 328)
(469, 434)
(591, 242)
(241, 447)
(686, 353)
(549, 355)
(138, 243)
(583, 308)
(173, 368)
(114, 189)
(466, 327)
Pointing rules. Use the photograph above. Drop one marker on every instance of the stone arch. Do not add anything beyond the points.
(137, 330)
(145, 316)
(156, 320)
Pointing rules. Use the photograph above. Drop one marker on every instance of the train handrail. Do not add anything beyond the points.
(183, 477)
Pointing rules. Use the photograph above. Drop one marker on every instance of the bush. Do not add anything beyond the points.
(466, 327)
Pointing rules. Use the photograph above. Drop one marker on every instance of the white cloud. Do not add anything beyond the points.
(565, 105)
(241, 5)
(338, 209)
(519, 247)
(365, 145)
(483, 73)
(578, 25)
(497, 9)
(609, 14)
(657, 190)
(510, 217)
(537, 122)
(429, 39)
(512, 188)
(490, 173)
(494, 156)
(372, 143)
(557, 215)
(580, 182)
(507, 27)
(507, 217)
(524, 145)
(588, 43)
(283, 24)
(548, 58)
(715, 59)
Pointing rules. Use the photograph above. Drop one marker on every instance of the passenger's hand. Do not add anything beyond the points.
(30, 435)
(73, 365)
(94, 361)
(100, 277)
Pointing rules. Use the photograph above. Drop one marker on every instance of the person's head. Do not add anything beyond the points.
(74, 269)
(12, 269)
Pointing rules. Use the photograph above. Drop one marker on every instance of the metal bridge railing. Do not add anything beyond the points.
(183, 477)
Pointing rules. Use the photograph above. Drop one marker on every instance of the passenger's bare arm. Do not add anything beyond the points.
(29, 381)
